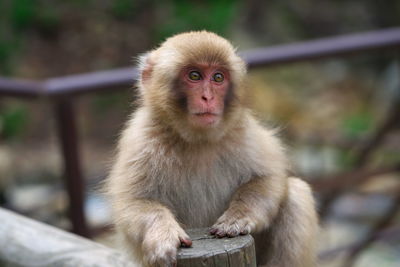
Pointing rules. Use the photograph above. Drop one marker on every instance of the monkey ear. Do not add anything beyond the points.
(145, 67)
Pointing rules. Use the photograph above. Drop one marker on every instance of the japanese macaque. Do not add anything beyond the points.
(193, 155)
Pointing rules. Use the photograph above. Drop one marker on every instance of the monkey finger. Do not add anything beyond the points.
(213, 230)
(244, 227)
(232, 230)
(232, 233)
(245, 231)
(186, 243)
(220, 233)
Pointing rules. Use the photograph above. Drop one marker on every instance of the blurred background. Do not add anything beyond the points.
(328, 110)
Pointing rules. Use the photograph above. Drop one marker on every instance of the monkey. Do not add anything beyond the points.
(194, 155)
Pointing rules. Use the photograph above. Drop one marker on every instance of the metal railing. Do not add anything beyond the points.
(62, 91)
(269, 56)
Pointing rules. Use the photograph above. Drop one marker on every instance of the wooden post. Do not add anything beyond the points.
(208, 250)
(74, 183)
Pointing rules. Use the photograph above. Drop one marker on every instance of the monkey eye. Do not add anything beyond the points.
(218, 77)
(194, 75)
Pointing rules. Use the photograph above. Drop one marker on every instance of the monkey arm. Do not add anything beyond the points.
(140, 217)
(253, 206)
(148, 228)
(151, 230)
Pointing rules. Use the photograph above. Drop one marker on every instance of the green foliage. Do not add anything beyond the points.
(82, 3)
(357, 124)
(6, 49)
(22, 13)
(13, 121)
(199, 15)
(47, 21)
(124, 9)
(345, 159)
(18, 17)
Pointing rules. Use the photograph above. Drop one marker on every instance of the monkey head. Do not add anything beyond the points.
(192, 82)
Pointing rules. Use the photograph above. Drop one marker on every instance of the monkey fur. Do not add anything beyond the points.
(178, 167)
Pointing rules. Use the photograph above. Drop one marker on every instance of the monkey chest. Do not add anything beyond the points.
(197, 194)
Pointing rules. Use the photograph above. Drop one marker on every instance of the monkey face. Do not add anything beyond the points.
(205, 88)
(194, 83)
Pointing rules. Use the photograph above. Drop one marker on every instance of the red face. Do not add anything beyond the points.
(205, 88)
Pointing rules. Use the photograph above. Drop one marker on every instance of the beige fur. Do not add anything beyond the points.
(168, 176)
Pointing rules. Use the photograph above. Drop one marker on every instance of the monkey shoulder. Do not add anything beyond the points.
(264, 149)
(139, 131)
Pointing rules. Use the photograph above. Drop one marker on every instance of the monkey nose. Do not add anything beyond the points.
(207, 100)
(207, 96)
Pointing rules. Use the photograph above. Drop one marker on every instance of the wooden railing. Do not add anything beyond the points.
(25, 242)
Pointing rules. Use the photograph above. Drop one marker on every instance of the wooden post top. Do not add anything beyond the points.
(207, 250)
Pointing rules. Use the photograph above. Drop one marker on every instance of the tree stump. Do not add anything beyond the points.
(208, 250)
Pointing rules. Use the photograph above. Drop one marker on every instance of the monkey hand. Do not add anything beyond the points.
(160, 245)
(232, 223)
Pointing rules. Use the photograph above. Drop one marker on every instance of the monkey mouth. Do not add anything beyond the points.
(205, 114)
(206, 118)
